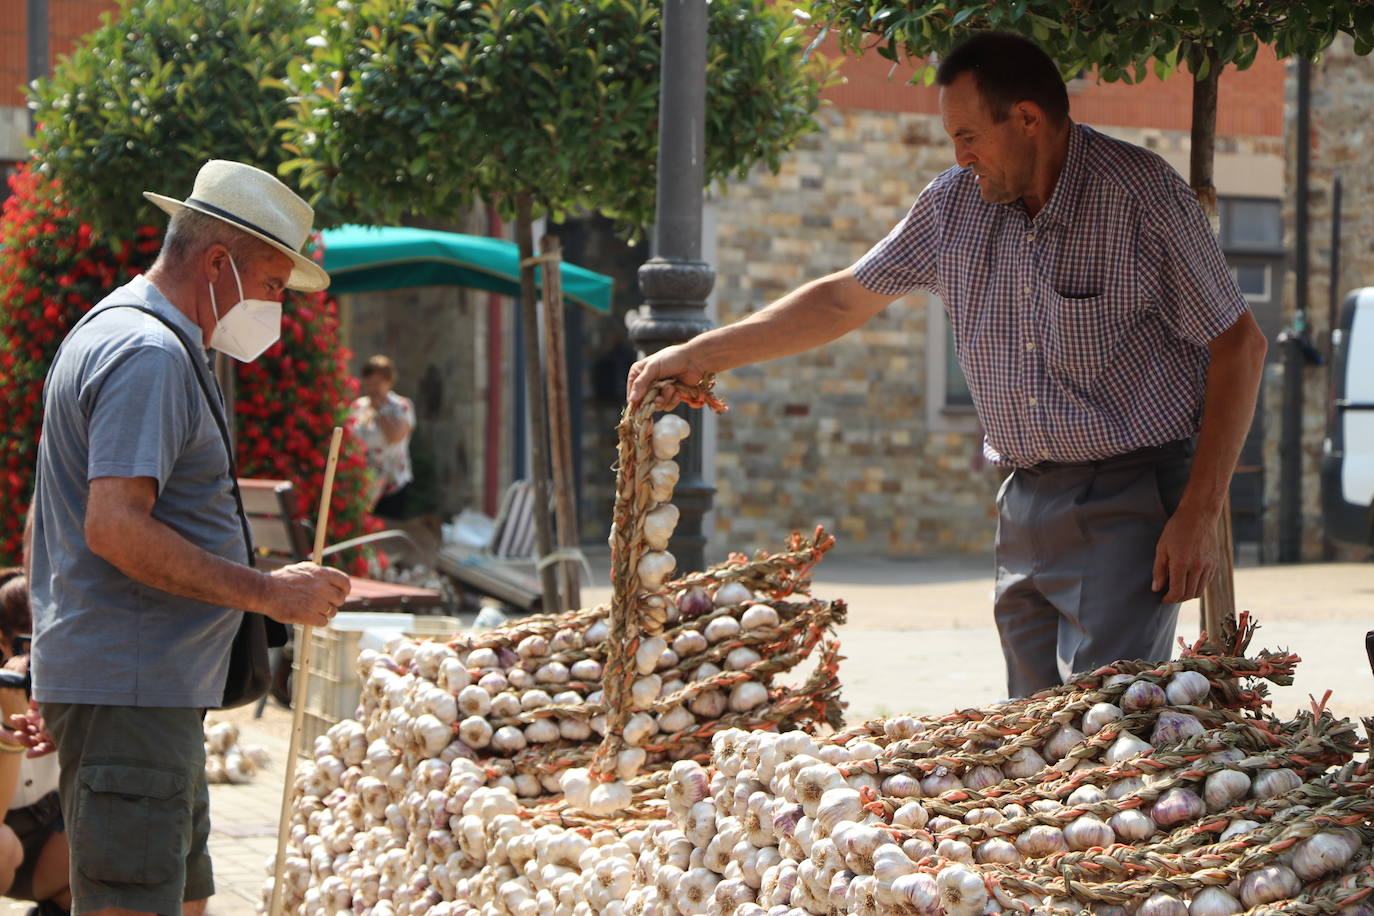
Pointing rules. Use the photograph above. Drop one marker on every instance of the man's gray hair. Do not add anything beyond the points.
(190, 232)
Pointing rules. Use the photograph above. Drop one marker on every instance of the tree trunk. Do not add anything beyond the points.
(535, 403)
(1219, 598)
(560, 422)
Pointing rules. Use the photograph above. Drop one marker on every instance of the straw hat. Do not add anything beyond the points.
(257, 203)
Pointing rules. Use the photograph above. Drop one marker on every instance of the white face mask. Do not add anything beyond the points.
(248, 328)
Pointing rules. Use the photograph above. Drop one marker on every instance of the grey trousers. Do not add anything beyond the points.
(1075, 554)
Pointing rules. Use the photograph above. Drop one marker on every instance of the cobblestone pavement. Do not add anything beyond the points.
(919, 640)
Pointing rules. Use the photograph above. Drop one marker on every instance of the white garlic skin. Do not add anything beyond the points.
(1132, 825)
(1273, 783)
(663, 476)
(667, 434)
(1162, 904)
(962, 891)
(1187, 688)
(1177, 806)
(732, 593)
(721, 628)
(1268, 884)
(1041, 840)
(1125, 747)
(1087, 831)
(659, 524)
(1225, 788)
(1099, 715)
(757, 616)
(654, 569)
(1213, 901)
(1324, 852)
(747, 695)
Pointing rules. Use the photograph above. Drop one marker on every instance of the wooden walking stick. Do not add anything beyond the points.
(302, 675)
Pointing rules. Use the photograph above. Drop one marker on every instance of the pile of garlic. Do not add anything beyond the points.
(226, 761)
(895, 817)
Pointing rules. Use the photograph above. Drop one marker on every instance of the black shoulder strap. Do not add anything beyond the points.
(216, 405)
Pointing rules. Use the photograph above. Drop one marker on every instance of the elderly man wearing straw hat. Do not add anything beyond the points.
(137, 547)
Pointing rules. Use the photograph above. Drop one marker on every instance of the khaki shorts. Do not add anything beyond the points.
(136, 805)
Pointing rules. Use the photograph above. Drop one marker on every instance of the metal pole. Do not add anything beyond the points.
(1292, 339)
(675, 281)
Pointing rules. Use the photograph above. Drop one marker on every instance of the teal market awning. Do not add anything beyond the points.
(362, 259)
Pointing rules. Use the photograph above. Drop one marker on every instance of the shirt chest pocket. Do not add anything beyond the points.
(1083, 336)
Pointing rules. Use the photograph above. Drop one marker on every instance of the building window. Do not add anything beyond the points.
(1254, 278)
(949, 406)
(1252, 240)
(957, 395)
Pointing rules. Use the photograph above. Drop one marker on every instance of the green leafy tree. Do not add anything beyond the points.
(540, 106)
(142, 102)
(1123, 40)
(417, 106)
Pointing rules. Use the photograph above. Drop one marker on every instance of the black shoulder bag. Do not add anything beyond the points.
(250, 670)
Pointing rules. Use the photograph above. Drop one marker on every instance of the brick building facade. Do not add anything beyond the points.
(872, 435)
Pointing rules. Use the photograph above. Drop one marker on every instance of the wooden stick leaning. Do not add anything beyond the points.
(302, 675)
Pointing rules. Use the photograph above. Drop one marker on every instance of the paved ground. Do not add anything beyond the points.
(919, 639)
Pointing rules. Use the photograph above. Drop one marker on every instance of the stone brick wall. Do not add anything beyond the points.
(1342, 144)
(840, 436)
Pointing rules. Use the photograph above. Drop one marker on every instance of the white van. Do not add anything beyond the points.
(1348, 452)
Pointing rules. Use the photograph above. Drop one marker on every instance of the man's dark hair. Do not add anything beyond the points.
(1009, 69)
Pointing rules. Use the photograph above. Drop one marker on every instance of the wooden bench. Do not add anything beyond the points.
(281, 539)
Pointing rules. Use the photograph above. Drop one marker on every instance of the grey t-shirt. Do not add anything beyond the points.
(122, 400)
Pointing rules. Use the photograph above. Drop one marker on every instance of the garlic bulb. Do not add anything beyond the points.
(732, 593)
(689, 643)
(1177, 806)
(1162, 904)
(757, 616)
(474, 701)
(629, 761)
(940, 780)
(1087, 831)
(983, 776)
(1099, 715)
(1142, 695)
(1086, 794)
(431, 734)
(647, 654)
(1213, 901)
(1268, 884)
(663, 476)
(475, 732)
(919, 892)
(585, 670)
(1026, 762)
(1125, 747)
(659, 524)
(721, 628)
(741, 658)
(1132, 825)
(645, 690)
(608, 798)
(654, 569)
(1237, 827)
(1041, 840)
(667, 434)
(1172, 727)
(901, 785)
(1065, 739)
(962, 891)
(1187, 688)
(1273, 783)
(747, 695)
(709, 704)
(1323, 853)
(1225, 788)
(674, 720)
(996, 851)
(639, 728)
(836, 805)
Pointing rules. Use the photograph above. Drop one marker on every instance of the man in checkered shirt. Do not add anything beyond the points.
(1112, 359)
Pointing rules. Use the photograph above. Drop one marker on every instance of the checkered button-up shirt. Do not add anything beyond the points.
(1082, 331)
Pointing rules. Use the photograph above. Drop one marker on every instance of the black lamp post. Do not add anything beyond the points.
(675, 281)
